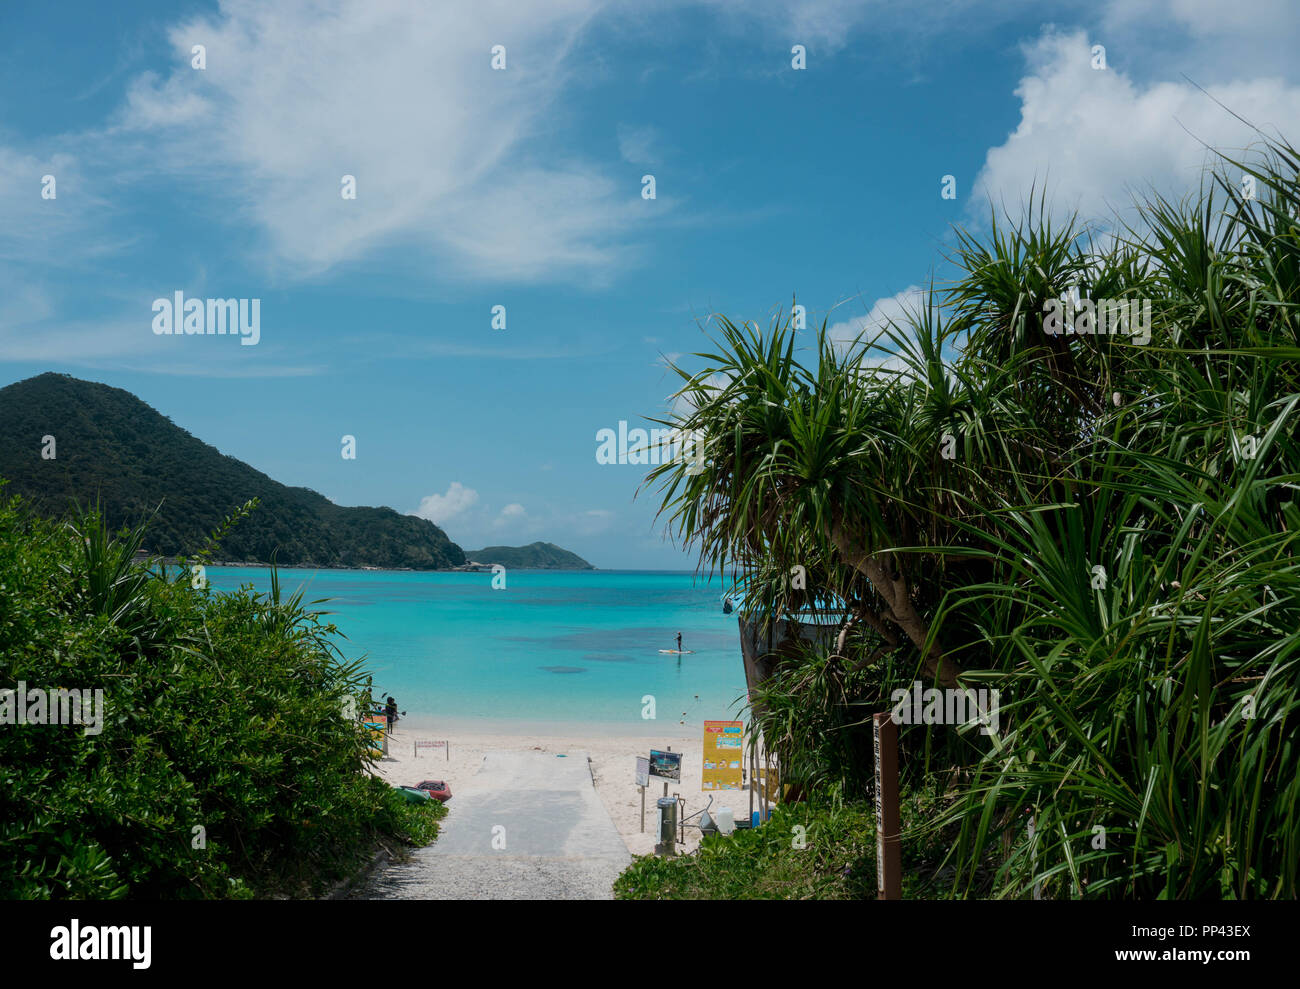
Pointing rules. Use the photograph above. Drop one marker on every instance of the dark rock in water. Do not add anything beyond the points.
(608, 657)
(563, 669)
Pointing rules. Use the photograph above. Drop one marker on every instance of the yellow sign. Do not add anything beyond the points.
(724, 754)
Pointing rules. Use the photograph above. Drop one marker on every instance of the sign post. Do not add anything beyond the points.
(889, 879)
(642, 781)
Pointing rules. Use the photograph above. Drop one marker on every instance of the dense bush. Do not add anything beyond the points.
(223, 713)
(804, 851)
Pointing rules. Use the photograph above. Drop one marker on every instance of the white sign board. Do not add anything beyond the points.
(429, 743)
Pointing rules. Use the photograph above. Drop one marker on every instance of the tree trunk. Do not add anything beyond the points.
(895, 592)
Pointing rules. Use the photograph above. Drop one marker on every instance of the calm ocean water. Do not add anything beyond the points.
(554, 648)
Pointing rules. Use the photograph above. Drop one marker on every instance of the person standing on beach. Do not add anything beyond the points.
(391, 712)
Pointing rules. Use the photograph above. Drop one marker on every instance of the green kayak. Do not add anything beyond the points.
(413, 795)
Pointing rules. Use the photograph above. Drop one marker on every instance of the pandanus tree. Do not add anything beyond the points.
(807, 470)
(1151, 707)
(1098, 525)
(859, 469)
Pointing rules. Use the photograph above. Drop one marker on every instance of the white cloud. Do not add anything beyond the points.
(153, 103)
(1097, 138)
(671, 357)
(594, 522)
(448, 154)
(1208, 39)
(898, 310)
(439, 508)
(893, 309)
(682, 406)
(512, 516)
(638, 145)
(514, 524)
(45, 233)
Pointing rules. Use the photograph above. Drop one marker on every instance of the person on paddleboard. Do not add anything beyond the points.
(679, 642)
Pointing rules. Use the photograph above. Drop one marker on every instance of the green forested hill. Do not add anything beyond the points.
(534, 556)
(114, 447)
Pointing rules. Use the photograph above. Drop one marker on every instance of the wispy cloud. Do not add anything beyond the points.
(450, 157)
(639, 145)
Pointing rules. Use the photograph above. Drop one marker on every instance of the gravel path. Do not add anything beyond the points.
(528, 826)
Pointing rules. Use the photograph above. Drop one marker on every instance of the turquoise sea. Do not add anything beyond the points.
(554, 649)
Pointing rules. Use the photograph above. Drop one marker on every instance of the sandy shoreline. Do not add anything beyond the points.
(613, 766)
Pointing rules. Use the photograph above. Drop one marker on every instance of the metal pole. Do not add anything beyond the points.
(889, 879)
(753, 758)
(669, 749)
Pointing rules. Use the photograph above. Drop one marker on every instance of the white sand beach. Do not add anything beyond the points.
(613, 766)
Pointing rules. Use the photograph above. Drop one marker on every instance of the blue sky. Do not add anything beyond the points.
(522, 188)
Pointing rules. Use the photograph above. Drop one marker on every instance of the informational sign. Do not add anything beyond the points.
(430, 743)
(666, 765)
(642, 771)
(723, 753)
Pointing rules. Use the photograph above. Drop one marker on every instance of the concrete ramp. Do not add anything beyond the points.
(528, 826)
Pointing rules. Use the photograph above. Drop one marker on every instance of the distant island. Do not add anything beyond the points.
(109, 445)
(534, 556)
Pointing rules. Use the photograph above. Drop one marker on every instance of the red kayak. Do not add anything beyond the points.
(437, 789)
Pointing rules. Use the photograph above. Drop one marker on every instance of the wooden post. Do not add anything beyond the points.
(642, 789)
(889, 879)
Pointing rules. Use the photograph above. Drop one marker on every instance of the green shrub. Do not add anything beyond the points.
(225, 766)
(837, 862)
